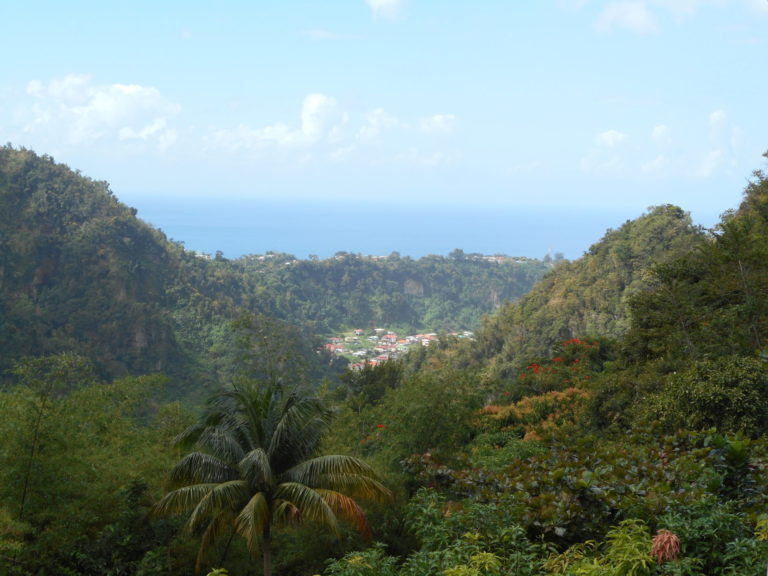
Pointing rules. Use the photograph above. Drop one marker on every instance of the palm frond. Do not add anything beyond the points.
(332, 464)
(298, 432)
(224, 441)
(286, 513)
(252, 519)
(182, 499)
(256, 469)
(253, 466)
(200, 468)
(223, 497)
(308, 502)
(187, 437)
(347, 509)
(218, 526)
(356, 486)
(341, 473)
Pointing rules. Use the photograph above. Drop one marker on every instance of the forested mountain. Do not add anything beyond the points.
(434, 293)
(80, 273)
(591, 295)
(612, 421)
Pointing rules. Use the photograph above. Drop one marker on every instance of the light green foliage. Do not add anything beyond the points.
(467, 537)
(480, 564)
(370, 562)
(71, 448)
(625, 552)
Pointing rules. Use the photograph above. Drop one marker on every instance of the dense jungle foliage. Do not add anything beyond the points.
(80, 273)
(611, 422)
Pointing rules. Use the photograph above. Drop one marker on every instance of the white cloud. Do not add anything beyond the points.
(711, 162)
(717, 126)
(384, 8)
(376, 122)
(327, 132)
(157, 130)
(659, 166)
(661, 134)
(319, 117)
(602, 164)
(414, 156)
(604, 158)
(78, 111)
(759, 6)
(629, 15)
(610, 138)
(723, 143)
(437, 123)
(638, 15)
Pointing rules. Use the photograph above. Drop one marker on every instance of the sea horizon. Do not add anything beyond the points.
(239, 227)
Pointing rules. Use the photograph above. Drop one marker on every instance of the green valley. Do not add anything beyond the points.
(166, 413)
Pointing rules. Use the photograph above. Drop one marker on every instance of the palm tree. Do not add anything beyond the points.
(254, 466)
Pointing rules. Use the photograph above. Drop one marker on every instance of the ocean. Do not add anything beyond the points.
(238, 227)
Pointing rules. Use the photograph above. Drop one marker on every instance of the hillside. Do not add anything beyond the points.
(434, 293)
(79, 272)
(589, 296)
(612, 421)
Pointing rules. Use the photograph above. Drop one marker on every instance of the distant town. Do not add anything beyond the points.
(370, 348)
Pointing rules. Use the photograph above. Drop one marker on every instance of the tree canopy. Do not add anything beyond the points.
(255, 466)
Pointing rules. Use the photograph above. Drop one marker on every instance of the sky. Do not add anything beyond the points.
(589, 105)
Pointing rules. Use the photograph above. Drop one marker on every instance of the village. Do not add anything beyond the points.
(379, 345)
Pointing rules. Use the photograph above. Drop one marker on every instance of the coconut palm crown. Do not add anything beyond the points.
(254, 466)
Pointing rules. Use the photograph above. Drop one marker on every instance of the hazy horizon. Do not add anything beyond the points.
(237, 228)
(603, 105)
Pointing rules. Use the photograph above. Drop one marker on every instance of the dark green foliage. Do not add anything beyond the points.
(589, 295)
(73, 461)
(713, 301)
(717, 536)
(355, 291)
(371, 383)
(274, 352)
(80, 273)
(536, 450)
(254, 467)
(728, 393)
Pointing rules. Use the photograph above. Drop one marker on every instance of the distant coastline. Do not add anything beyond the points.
(240, 227)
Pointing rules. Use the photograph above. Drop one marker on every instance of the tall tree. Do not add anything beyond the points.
(254, 465)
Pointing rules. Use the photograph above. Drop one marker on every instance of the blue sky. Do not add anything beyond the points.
(604, 105)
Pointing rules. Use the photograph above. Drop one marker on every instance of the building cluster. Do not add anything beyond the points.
(380, 345)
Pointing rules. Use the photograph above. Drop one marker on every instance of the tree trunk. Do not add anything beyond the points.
(266, 551)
